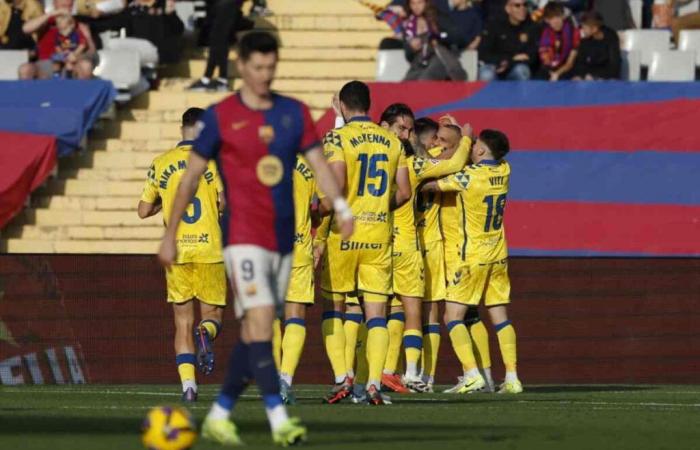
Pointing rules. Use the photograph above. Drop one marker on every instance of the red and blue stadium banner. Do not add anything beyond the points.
(599, 169)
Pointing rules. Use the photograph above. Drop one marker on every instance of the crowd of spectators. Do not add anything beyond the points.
(63, 36)
(521, 39)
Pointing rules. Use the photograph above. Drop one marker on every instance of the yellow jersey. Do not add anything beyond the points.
(480, 190)
(304, 189)
(419, 170)
(199, 233)
(372, 155)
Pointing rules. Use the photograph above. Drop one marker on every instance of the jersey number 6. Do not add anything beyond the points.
(370, 171)
(196, 212)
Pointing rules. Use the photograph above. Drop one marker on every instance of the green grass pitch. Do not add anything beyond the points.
(545, 417)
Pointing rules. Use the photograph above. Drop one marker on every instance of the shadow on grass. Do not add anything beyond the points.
(372, 431)
(564, 388)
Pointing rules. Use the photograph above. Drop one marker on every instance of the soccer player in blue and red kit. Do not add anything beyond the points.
(255, 136)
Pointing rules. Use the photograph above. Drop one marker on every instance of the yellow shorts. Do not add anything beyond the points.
(301, 285)
(489, 282)
(351, 266)
(408, 276)
(434, 261)
(205, 282)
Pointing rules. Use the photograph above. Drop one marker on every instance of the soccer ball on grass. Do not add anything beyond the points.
(168, 428)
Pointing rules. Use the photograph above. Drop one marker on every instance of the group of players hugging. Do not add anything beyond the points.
(408, 216)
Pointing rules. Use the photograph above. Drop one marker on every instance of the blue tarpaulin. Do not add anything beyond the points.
(66, 109)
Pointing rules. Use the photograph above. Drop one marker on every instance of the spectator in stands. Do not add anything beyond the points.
(616, 14)
(227, 17)
(13, 15)
(598, 55)
(47, 27)
(156, 21)
(429, 60)
(558, 44)
(508, 48)
(68, 43)
(461, 27)
(494, 10)
(101, 16)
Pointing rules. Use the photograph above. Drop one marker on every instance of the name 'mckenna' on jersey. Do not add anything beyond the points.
(256, 153)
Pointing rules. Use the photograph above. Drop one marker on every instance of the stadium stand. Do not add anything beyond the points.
(11, 60)
(646, 42)
(672, 66)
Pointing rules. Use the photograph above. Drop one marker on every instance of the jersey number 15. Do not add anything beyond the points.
(369, 173)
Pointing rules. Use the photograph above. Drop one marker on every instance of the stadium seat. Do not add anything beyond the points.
(672, 66)
(689, 7)
(186, 12)
(470, 63)
(689, 41)
(122, 68)
(647, 42)
(631, 65)
(391, 65)
(11, 60)
(636, 7)
(146, 51)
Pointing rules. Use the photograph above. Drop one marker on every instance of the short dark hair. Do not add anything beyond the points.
(257, 41)
(592, 18)
(553, 9)
(392, 113)
(191, 116)
(424, 125)
(496, 141)
(408, 149)
(355, 95)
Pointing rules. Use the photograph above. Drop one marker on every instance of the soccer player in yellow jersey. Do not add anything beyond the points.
(300, 291)
(199, 270)
(481, 190)
(370, 166)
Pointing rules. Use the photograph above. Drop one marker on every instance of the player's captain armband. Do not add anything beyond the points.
(341, 207)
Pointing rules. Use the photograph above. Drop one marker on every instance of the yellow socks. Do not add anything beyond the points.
(212, 326)
(362, 371)
(413, 346)
(334, 341)
(292, 347)
(431, 347)
(395, 326)
(506, 341)
(462, 344)
(277, 342)
(351, 327)
(377, 343)
(185, 367)
(480, 337)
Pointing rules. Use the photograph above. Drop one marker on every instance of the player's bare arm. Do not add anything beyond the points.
(196, 166)
(332, 185)
(403, 191)
(146, 209)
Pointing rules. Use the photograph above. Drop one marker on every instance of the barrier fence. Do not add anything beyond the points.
(103, 319)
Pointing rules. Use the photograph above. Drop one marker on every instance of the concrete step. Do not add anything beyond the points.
(61, 202)
(364, 21)
(105, 174)
(288, 69)
(288, 86)
(45, 233)
(110, 160)
(139, 146)
(132, 130)
(169, 102)
(291, 54)
(92, 188)
(60, 217)
(82, 246)
(320, 7)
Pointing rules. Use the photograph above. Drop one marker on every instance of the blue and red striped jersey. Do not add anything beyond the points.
(256, 153)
